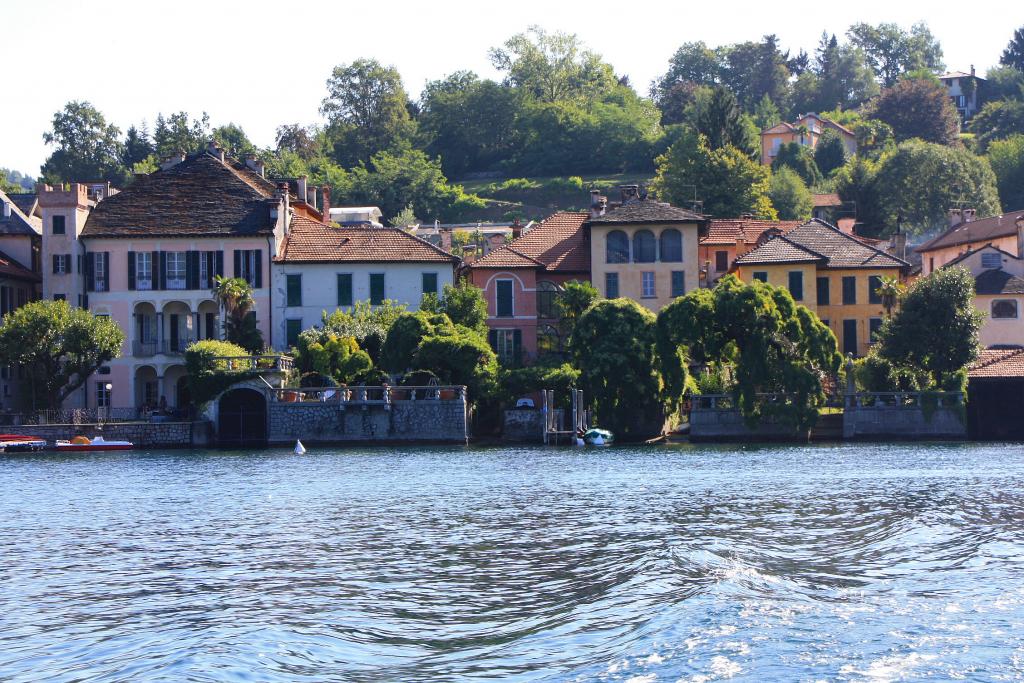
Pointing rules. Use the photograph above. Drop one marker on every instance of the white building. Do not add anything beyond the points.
(962, 88)
(323, 268)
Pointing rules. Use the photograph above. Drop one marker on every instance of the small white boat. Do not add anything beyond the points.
(598, 437)
(83, 443)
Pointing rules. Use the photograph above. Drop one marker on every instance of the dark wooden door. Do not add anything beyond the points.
(242, 419)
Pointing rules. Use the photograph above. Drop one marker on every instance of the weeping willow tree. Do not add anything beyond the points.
(772, 344)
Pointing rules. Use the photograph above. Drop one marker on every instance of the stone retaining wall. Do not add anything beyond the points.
(142, 434)
(725, 425)
(425, 421)
(891, 422)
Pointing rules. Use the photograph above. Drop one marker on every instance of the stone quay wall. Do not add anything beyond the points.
(888, 422)
(424, 421)
(728, 425)
(142, 434)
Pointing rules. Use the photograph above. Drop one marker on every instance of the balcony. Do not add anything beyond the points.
(170, 347)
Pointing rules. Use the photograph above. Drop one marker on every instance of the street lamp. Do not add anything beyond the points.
(108, 387)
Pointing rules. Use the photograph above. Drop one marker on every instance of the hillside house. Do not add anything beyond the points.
(806, 130)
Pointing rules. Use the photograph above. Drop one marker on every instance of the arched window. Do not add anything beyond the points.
(546, 296)
(548, 341)
(645, 247)
(1004, 308)
(671, 246)
(617, 247)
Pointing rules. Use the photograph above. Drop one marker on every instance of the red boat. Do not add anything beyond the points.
(82, 443)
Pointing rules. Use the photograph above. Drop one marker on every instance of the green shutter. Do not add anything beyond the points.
(430, 283)
(293, 327)
(294, 289)
(344, 289)
(376, 289)
(505, 307)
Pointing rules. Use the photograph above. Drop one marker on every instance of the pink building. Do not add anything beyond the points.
(521, 280)
(147, 257)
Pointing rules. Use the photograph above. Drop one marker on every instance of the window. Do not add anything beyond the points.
(645, 247)
(611, 285)
(991, 259)
(430, 283)
(211, 325)
(1004, 308)
(617, 247)
(504, 304)
(546, 294)
(102, 395)
(293, 326)
(721, 261)
(376, 289)
(58, 225)
(796, 285)
(671, 246)
(249, 266)
(874, 324)
(175, 269)
(823, 292)
(931, 263)
(761, 275)
(294, 288)
(344, 289)
(647, 285)
(548, 340)
(849, 337)
(100, 261)
(143, 270)
(507, 344)
(678, 283)
(849, 290)
(61, 264)
(874, 283)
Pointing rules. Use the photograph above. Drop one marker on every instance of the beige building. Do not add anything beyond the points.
(643, 249)
(998, 292)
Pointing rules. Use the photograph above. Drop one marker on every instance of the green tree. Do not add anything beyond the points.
(921, 181)
(857, 183)
(368, 111)
(766, 114)
(753, 70)
(405, 218)
(463, 358)
(800, 159)
(464, 305)
(936, 327)
(306, 143)
(613, 347)
(891, 51)
(997, 121)
(1013, 55)
(891, 290)
(208, 374)
(367, 324)
(1007, 160)
(570, 303)
(721, 122)
(58, 346)
(726, 179)
(790, 195)
(234, 296)
(1001, 83)
(233, 140)
(830, 152)
(178, 133)
(87, 148)
(339, 358)
(694, 63)
(405, 335)
(918, 108)
(553, 67)
(137, 147)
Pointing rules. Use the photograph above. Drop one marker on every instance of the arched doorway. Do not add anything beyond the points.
(242, 419)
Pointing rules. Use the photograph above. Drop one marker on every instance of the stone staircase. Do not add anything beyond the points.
(828, 428)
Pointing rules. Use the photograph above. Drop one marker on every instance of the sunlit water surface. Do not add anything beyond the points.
(856, 562)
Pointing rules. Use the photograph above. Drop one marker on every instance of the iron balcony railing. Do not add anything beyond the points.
(266, 363)
(171, 347)
(372, 394)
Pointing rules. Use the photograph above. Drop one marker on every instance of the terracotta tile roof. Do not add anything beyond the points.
(972, 252)
(830, 199)
(647, 211)
(997, 363)
(958, 74)
(779, 250)
(558, 243)
(998, 281)
(18, 223)
(975, 231)
(11, 268)
(728, 230)
(310, 241)
(201, 196)
(841, 249)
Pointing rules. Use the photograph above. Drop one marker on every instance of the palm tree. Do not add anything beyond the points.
(890, 290)
(234, 295)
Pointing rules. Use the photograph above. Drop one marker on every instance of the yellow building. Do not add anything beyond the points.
(831, 272)
(806, 130)
(966, 234)
(644, 250)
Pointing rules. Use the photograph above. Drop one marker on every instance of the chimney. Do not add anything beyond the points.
(7, 209)
(741, 245)
(954, 217)
(629, 192)
(972, 70)
(215, 151)
(445, 234)
(968, 215)
(311, 196)
(1020, 236)
(172, 161)
(517, 228)
(301, 184)
(898, 245)
(255, 165)
(598, 204)
(326, 202)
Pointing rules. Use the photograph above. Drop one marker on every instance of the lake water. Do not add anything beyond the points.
(847, 562)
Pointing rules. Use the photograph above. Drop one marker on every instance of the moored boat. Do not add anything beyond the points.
(16, 443)
(84, 443)
(598, 437)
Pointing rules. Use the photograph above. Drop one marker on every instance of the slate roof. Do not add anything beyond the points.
(997, 363)
(975, 231)
(26, 201)
(647, 211)
(18, 223)
(957, 74)
(728, 230)
(816, 237)
(11, 268)
(998, 281)
(199, 197)
(311, 241)
(558, 243)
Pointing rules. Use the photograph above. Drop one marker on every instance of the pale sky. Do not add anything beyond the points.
(260, 64)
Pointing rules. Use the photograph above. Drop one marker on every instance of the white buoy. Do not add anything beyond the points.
(299, 448)
(580, 442)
